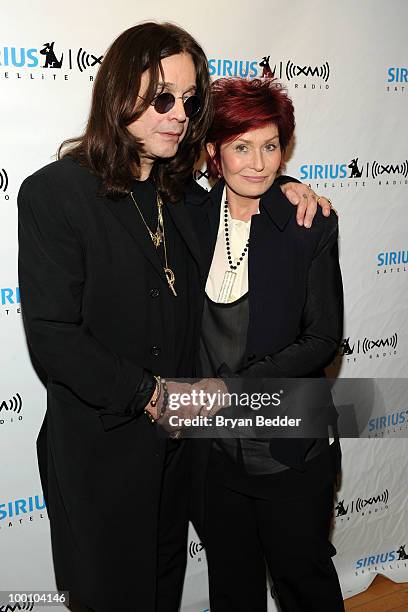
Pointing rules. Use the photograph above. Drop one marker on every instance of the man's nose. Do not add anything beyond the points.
(178, 112)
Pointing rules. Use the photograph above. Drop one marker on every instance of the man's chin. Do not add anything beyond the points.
(167, 152)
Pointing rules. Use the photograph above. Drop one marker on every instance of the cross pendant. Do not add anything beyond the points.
(156, 238)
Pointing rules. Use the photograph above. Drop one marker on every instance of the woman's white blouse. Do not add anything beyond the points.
(238, 232)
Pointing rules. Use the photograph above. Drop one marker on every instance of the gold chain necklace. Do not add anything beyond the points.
(158, 237)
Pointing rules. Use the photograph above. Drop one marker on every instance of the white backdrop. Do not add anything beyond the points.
(346, 68)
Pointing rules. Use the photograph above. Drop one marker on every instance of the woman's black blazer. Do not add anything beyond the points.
(295, 301)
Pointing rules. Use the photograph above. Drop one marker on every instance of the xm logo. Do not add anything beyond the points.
(195, 548)
(361, 504)
(4, 182)
(366, 345)
(13, 405)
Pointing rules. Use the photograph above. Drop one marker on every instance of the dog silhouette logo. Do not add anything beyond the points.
(402, 555)
(341, 510)
(355, 170)
(345, 348)
(266, 69)
(51, 60)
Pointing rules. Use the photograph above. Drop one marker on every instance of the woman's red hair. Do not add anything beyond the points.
(241, 105)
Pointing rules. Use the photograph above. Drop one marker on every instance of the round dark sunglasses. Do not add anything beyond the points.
(165, 101)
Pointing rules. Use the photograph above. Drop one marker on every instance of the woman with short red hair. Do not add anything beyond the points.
(273, 309)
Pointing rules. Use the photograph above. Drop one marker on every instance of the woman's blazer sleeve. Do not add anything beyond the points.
(322, 317)
(52, 280)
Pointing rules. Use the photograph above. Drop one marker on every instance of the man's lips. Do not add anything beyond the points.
(171, 134)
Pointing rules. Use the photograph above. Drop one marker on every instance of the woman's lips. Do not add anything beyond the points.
(254, 179)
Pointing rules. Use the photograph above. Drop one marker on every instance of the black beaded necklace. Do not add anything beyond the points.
(227, 242)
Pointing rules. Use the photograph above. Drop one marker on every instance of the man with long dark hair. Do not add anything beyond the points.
(111, 288)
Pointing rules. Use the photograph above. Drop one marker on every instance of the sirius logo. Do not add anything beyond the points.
(368, 561)
(9, 296)
(323, 171)
(390, 258)
(19, 57)
(232, 68)
(387, 557)
(391, 262)
(393, 419)
(397, 75)
(17, 507)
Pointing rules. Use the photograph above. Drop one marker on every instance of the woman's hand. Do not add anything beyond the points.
(214, 393)
(306, 200)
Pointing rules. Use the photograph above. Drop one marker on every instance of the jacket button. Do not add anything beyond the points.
(154, 293)
(155, 351)
(251, 357)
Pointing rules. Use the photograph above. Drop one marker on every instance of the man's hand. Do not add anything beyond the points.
(177, 408)
(306, 200)
(206, 399)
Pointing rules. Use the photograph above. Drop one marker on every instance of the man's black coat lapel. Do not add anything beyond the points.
(125, 211)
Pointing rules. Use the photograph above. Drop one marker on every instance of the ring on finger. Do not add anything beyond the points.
(320, 197)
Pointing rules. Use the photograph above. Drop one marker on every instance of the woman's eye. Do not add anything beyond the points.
(240, 148)
(271, 147)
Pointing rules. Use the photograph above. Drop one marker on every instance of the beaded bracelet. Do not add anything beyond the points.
(153, 402)
(161, 384)
(165, 399)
